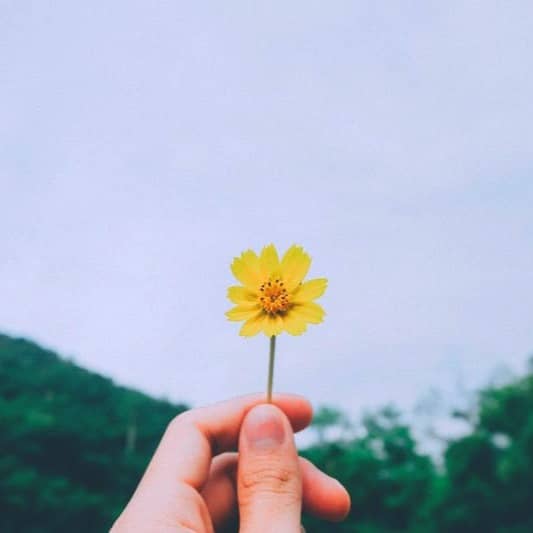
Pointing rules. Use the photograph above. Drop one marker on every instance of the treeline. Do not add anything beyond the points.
(73, 445)
(484, 483)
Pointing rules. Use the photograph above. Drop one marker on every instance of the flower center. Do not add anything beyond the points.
(273, 296)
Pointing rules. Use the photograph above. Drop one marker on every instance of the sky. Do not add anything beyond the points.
(143, 145)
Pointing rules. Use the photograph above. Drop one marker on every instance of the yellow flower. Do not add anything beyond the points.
(273, 297)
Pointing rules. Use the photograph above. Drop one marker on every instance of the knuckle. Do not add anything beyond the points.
(178, 422)
(192, 514)
(273, 479)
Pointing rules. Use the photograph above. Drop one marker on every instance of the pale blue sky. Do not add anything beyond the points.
(144, 144)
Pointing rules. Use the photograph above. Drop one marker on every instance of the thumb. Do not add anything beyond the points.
(269, 483)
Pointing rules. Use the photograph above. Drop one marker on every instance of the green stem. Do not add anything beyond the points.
(271, 368)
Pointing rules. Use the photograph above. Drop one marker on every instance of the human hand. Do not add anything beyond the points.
(195, 481)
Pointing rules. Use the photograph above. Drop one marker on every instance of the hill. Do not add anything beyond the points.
(73, 444)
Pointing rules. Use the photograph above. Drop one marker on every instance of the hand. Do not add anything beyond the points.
(196, 483)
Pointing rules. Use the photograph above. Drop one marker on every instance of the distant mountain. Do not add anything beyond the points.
(73, 444)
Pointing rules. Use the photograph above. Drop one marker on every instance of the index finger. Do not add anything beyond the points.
(194, 437)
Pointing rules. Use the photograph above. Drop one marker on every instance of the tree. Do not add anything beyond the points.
(327, 418)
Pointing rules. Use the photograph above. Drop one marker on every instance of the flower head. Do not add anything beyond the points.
(273, 296)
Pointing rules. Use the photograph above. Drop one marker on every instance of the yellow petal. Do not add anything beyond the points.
(293, 324)
(310, 312)
(310, 290)
(269, 261)
(242, 312)
(253, 325)
(241, 295)
(294, 266)
(272, 325)
(246, 269)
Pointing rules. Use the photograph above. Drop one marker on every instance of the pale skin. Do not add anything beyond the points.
(233, 467)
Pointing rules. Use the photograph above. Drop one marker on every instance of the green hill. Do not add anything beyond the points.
(73, 444)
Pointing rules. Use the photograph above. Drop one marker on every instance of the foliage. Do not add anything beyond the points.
(387, 478)
(484, 485)
(488, 486)
(327, 417)
(73, 446)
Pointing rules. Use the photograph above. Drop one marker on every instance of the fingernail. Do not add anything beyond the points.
(263, 427)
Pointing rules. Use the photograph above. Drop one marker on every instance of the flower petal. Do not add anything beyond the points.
(246, 269)
(253, 325)
(294, 266)
(310, 290)
(272, 325)
(293, 324)
(242, 312)
(310, 312)
(269, 261)
(241, 295)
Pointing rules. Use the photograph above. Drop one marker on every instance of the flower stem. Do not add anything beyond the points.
(271, 368)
